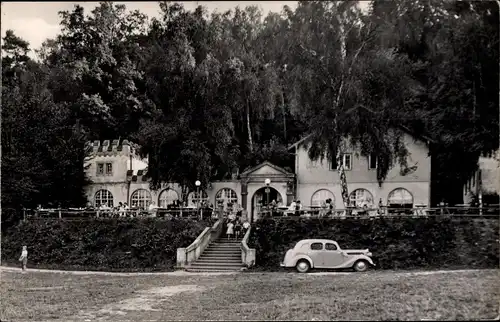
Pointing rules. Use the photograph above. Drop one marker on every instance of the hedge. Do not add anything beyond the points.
(101, 244)
(396, 243)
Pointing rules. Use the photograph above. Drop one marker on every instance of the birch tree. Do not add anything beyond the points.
(345, 87)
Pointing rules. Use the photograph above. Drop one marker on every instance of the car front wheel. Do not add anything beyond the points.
(361, 266)
(302, 266)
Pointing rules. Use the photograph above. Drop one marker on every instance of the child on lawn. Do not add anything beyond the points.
(24, 258)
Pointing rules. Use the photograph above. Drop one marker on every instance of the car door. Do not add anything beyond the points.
(333, 256)
(316, 252)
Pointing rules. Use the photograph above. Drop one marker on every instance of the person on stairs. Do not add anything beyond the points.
(230, 230)
(237, 229)
(246, 225)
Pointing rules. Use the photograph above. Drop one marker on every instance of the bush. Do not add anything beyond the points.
(101, 244)
(435, 242)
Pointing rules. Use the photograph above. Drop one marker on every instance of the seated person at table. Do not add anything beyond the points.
(324, 209)
(298, 208)
(152, 209)
(291, 209)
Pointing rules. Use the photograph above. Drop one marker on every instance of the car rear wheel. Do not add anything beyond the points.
(302, 266)
(361, 266)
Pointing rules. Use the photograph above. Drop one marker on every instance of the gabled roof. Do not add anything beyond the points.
(405, 129)
(401, 127)
(263, 164)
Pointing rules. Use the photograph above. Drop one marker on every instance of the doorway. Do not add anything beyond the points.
(261, 198)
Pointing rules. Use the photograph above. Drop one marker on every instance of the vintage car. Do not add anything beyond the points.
(327, 254)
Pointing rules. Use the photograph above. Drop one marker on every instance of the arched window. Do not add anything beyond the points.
(167, 197)
(103, 197)
(194, 198)
(141, 198)
(360, 198)
(226, 196)
(400, 197)
(321, 196)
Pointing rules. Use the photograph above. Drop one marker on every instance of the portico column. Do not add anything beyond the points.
(289, 192)
(244, 194)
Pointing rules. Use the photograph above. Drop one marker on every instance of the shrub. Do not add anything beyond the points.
(434, 242)
(101, 244)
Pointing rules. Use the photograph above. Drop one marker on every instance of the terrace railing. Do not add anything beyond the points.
(202, 213)
(353, 212)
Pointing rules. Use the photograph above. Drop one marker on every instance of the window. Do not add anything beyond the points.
(141, 198)
(360, 198)
(103, 197)
(346, 161)
(167, 197)
(320, 196)
(317, 246)
(194, 198)
(400, 196)
(100, 169)
(226, 196)
(330, 246)
(104, 168)
(372, 161)
(109, 169)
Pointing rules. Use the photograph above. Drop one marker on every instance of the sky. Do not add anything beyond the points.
(37, 21)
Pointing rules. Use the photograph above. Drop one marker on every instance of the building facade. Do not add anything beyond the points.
(485, 182)
(318, 180)
(118, 175)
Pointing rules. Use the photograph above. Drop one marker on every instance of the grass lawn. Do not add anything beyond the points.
(374, 295)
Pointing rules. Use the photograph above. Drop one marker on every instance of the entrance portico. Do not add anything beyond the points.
(253, 185)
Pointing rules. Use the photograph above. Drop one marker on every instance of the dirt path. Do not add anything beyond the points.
(176, 273)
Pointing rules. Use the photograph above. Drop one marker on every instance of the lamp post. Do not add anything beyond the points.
(197, 184)
(267, 182)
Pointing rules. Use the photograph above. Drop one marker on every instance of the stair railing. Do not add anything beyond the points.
(247, 253)
(186, 256)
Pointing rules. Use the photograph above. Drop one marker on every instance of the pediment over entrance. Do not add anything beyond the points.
(267, 169)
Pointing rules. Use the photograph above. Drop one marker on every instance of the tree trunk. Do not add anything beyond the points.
(284, 115)
(184, 192)
(339, 156)
(249, 128)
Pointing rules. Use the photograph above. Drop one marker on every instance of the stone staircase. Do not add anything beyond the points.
(223, 255)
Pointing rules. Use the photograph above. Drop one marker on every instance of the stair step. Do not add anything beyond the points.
(224, 248)
(219, 251)
(226, 245)
(219, 260)
(228, 257)
(232, 241)
(211, 269)
(215, 264)
(223, 255)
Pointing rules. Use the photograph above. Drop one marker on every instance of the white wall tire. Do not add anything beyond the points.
(361, 266)
(303, 266)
